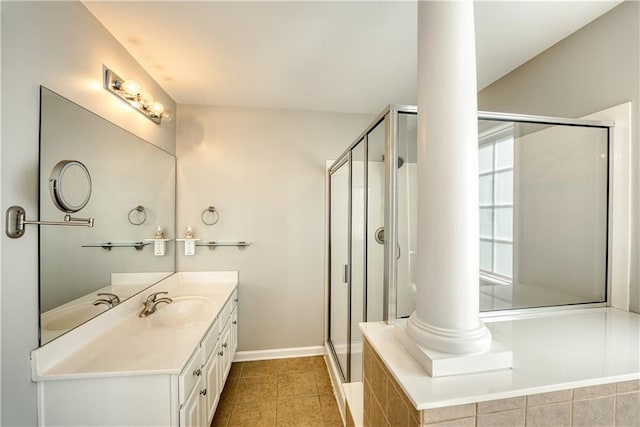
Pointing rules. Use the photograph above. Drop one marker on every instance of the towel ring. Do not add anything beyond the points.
(210, 212)
(141, 213)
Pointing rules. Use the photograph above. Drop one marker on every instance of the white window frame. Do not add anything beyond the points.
(491, 138)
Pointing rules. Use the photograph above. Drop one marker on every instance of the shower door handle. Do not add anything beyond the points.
(345, 273)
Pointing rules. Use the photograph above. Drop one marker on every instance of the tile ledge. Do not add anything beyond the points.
(354, 396)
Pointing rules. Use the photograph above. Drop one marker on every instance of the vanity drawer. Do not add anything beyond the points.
(225, 313)
(210, 339)
(228, 308)
(234, 298)
(190, 375)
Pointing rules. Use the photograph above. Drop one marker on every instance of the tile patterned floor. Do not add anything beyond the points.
(281, 392)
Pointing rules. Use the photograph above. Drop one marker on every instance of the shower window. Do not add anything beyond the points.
(495, 167)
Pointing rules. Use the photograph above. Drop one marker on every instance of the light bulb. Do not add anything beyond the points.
(145, 99)
(167, 115)
(156, 109)
(131, 88)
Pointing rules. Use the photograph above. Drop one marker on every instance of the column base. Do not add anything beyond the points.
(439, 364)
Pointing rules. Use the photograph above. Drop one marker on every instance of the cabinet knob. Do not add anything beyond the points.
(235, 300)
(225, 345)
(203, 392)
(197, 372)
(221, 353)
(235, 322)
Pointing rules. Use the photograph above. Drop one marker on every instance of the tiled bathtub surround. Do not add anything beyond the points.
(552, 351)
(616, 404)
(279, 392)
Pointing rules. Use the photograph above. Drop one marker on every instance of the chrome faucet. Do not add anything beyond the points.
(151, 303)
(111, 300)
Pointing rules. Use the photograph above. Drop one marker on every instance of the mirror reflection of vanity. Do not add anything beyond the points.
(133, 193)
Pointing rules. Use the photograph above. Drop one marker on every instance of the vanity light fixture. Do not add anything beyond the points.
(130, 92)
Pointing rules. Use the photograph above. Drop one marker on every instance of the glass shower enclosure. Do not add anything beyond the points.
(543, 221)
(359, 261)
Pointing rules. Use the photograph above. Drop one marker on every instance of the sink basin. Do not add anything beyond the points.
(181, 312)
(70, 317)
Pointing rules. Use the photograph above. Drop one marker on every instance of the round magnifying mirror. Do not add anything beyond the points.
(70, 185)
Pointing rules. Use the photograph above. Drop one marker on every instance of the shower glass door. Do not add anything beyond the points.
(339, 266)
(407, 196)
(375, 222)
(358, 248)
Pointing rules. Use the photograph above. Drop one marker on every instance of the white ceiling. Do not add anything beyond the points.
(353, 56)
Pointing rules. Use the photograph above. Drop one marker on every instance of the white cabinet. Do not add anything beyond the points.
(190, 375)
(225, 352)
(191, 412)
(228, 345)
(192, 390)
(234, 331)
(213, 385)
(211, 364)
(148, 396)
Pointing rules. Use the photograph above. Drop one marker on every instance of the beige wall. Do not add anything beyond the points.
(62, 46)
(264, 171)
(595, 68)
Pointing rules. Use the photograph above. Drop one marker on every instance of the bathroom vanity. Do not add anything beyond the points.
(167, 369)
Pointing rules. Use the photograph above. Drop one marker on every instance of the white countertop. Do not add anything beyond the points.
(121, 343)
(124, 285)
(551, 351)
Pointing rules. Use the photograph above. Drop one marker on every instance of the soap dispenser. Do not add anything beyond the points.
(159, 242)
(159, 233)
(189, 242)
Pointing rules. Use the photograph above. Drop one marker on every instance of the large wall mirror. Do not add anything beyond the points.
(85, 271)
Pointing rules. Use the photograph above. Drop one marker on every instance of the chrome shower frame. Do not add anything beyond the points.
(390, 280)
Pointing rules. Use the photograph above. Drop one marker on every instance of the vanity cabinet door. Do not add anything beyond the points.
(191, 413)
(190, 375)
(225, 351)
(213, 385)
(234, 333)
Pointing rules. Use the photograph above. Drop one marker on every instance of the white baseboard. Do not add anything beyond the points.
(279, 353)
